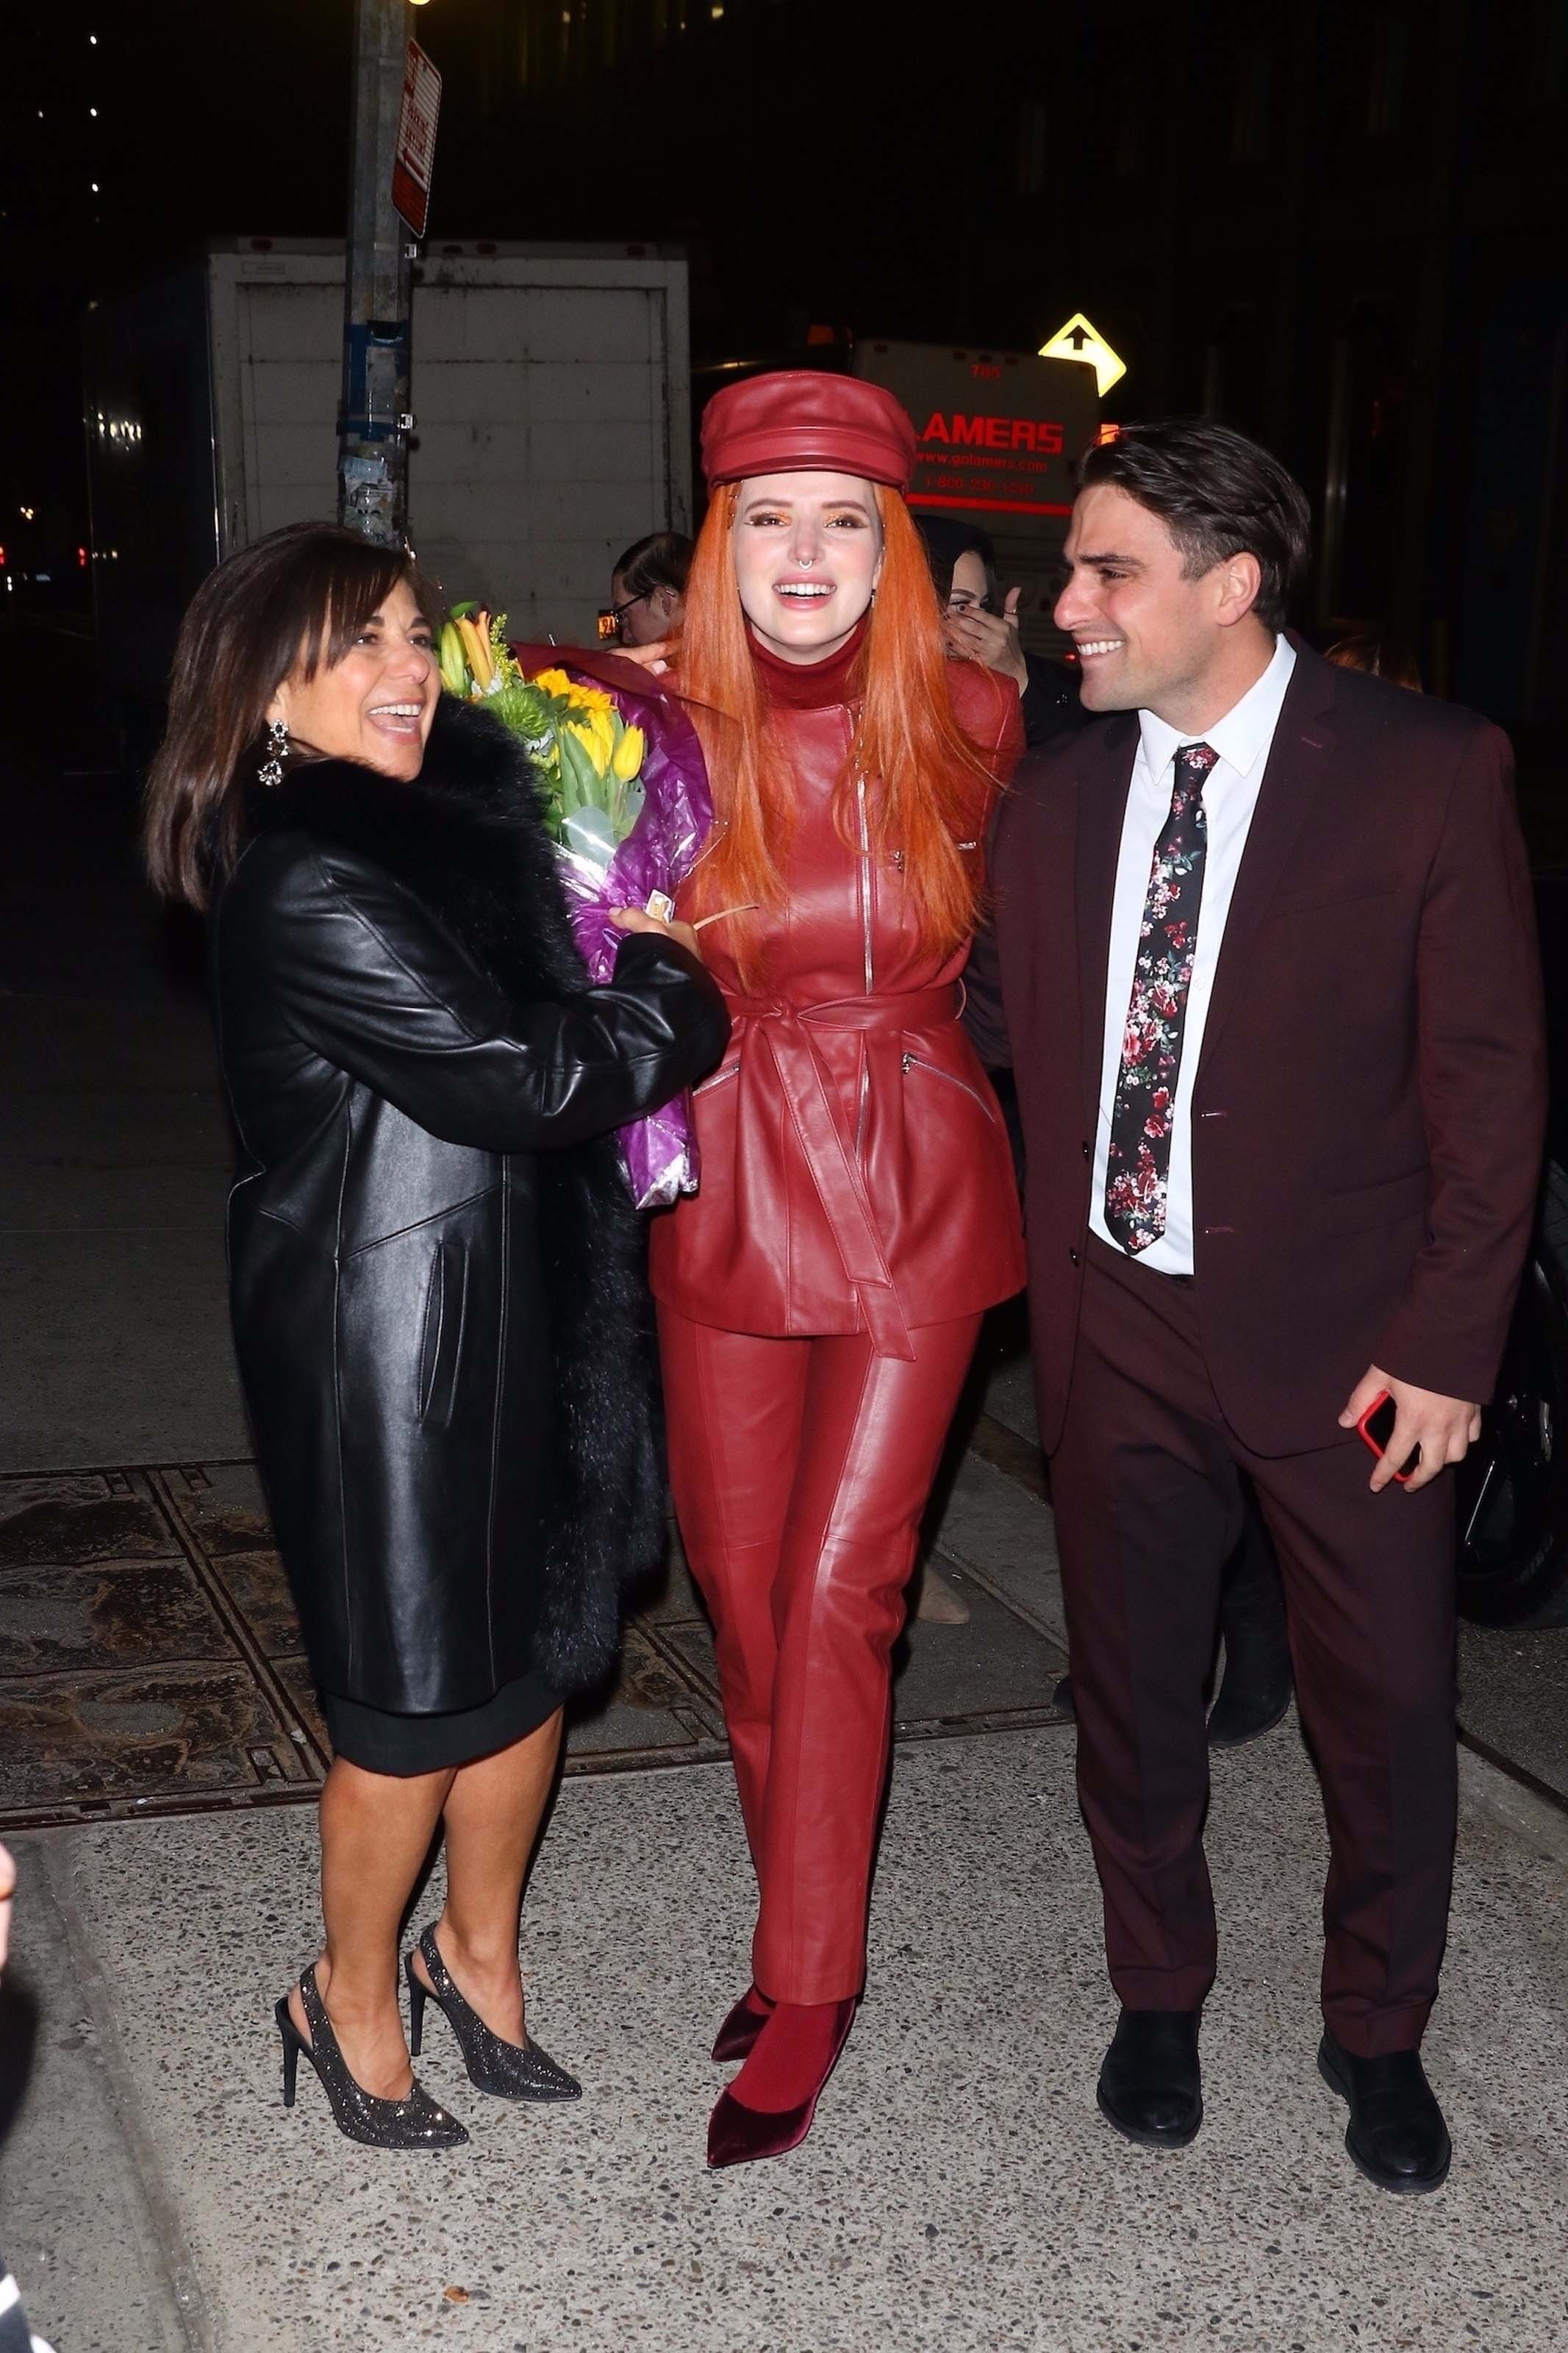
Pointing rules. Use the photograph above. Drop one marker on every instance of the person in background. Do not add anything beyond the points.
(648, 590)
(15, 2336)
(963, 566)
(1375, 657)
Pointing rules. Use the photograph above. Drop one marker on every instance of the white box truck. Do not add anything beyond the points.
(550, 394)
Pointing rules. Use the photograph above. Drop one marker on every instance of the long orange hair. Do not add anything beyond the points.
(927, 778)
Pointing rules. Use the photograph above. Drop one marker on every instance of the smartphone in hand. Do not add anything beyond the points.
(1377, 1427)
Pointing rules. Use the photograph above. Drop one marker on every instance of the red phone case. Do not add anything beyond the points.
(1402, 1477)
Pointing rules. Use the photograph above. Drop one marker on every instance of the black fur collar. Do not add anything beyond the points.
(467, 837)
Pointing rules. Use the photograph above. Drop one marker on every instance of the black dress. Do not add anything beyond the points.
(382, 1742)
(434, 1265)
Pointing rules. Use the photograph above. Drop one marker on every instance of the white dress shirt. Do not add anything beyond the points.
(1242, 739)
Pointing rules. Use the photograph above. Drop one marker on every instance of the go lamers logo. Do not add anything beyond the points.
(1000, 464)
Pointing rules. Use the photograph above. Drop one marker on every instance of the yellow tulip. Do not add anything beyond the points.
(593, 742)
(552, 682)
(627, 756)
(477, 648)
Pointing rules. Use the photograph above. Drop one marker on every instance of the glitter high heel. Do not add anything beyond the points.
(417, 2121)
(512, 2071)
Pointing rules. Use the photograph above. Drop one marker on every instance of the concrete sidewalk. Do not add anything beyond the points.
(959, 2191)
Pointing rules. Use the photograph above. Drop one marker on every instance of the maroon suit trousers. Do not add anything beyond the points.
(1148, 1502)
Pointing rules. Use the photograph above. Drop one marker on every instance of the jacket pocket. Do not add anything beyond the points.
(948, 1079)
(1389, 1203)
(441, 1336)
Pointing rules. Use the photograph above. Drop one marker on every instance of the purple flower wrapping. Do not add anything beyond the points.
(660, 1149)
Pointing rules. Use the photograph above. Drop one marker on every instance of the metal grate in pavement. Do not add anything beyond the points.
(150, 1660)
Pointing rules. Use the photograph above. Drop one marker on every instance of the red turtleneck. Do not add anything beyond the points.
(811, 686)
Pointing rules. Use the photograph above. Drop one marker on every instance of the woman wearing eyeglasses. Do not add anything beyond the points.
(648, 590)
(978, 629)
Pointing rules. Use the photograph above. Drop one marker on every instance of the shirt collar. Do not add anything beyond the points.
(1242, 735)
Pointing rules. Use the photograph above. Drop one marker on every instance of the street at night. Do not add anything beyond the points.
(345, 1441)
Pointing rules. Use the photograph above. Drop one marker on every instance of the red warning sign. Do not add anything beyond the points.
(416, 162)
(998, 432)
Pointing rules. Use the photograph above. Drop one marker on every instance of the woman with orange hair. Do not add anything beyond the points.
(820, 1295)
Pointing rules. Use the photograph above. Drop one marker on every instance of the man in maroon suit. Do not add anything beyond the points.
(1272, 997)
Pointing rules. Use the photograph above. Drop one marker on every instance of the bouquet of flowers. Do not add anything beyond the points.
(627, 802)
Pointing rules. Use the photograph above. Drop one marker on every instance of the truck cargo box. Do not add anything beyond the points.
(551, 406)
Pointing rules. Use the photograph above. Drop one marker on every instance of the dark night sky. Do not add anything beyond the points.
(811, 148)
(1245, 200)
(812, 157)
(805, 154)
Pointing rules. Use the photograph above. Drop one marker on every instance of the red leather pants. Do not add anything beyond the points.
(801, 1469)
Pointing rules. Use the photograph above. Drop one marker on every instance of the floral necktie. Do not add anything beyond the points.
(1138, 1172)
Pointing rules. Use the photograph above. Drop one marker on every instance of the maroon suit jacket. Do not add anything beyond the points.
(1370, 1098)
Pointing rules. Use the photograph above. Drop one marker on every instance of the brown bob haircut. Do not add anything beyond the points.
(1218, 495)
(294, 601)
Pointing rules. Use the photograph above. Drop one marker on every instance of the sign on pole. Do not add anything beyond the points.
(415, 160)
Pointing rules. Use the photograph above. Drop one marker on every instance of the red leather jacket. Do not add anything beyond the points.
(855, 1169)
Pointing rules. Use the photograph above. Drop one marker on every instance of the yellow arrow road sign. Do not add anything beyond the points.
(1079, 340)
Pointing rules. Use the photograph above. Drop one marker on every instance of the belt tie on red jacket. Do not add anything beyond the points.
(783, 1033)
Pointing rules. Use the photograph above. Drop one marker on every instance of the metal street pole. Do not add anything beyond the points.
(374, 423)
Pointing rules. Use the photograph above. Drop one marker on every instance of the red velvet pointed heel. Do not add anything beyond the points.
(738, 2134)
(742, 2026)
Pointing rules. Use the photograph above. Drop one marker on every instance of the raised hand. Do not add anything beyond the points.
(654, 658)
(990, 637)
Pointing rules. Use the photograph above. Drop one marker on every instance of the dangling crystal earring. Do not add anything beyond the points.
(270, 772)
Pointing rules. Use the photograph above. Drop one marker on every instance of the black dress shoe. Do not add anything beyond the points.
(1149, 2086)
(1396, 2136)
(1253, 1696)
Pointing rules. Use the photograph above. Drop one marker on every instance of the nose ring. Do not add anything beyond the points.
(807, 562)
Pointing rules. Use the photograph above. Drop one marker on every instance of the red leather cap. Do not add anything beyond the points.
(799, 420)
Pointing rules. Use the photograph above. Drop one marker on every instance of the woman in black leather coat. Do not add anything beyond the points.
(434, 1261)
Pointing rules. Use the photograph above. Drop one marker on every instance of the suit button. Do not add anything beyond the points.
(1073, 1255)
(1087, 1153)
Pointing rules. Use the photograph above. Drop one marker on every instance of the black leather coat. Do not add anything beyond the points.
(436, 1269)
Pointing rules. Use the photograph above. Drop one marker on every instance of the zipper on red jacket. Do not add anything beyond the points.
(865, 923)
(950, 1078)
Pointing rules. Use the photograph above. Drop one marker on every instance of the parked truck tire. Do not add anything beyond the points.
(1513, 1485)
